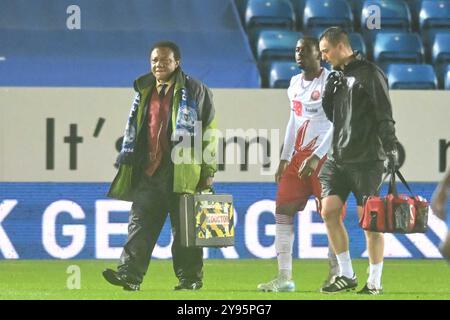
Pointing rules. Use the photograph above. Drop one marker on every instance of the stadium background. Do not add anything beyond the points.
(53, 201)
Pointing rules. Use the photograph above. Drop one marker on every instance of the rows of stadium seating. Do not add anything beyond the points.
(111, 47)
(412, 45)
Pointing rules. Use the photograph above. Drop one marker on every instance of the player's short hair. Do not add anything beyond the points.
(312, 42)
(167, 44)
(336, 35)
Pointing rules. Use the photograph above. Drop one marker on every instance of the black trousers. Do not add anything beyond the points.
(153, 200)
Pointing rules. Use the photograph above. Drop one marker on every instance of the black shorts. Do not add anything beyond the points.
(362, 179)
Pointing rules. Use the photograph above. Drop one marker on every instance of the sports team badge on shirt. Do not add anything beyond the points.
(315, 95)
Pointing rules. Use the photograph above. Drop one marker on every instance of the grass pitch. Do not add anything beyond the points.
(224, 279)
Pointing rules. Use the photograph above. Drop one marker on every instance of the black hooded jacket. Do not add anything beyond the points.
(361, 113)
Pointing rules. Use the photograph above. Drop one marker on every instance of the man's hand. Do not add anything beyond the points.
(205, 183)
(391, 163)
(335, 80)
(281, 167)
(308, 166)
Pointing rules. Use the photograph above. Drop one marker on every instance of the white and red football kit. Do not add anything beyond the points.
(308, 131)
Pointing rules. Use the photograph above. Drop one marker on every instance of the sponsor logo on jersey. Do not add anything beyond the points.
(297, 107)
(312, 110)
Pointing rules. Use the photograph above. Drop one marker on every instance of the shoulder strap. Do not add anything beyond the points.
(402, 179)
(392, 186)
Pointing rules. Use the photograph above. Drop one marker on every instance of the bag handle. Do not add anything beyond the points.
(403, 180)
(209, 190)
(392, 185)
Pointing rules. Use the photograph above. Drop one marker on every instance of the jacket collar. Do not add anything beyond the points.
(149, 81)
(358, 60)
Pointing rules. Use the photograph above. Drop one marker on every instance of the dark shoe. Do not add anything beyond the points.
(367, 290)
(189, 285)
(332, 273)
(117, 279)
(341, 284)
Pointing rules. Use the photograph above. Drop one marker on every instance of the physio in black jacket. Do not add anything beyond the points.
(356, 100)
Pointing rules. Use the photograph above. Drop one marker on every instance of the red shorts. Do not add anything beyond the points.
(295, 191)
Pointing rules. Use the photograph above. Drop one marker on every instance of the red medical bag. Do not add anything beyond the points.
(395, 213)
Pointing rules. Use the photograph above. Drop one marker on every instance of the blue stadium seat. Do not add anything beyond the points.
(277, 44)
(447, 78)
(269, 14)
(440, 55)
(435, 14)
(398, 47)
(357, 42)
(326, 13)
(253, 36)
(411, 76)
(394, 16)
(441, 48)
(434, 17)
(281, 73)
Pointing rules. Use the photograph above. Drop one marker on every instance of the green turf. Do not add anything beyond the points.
(224, 279)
